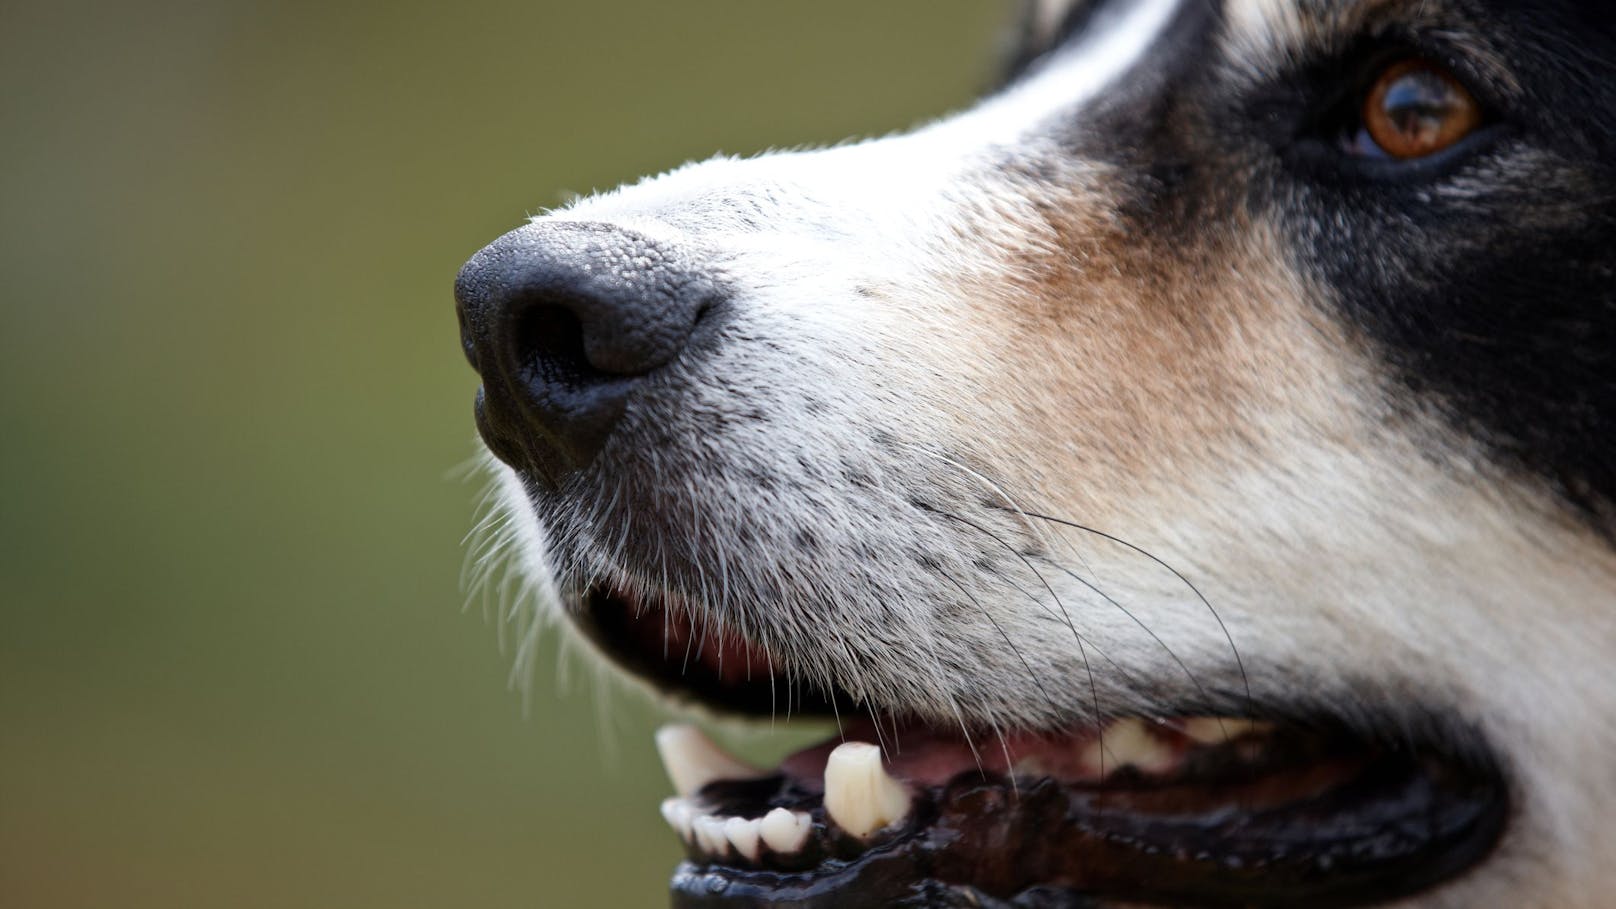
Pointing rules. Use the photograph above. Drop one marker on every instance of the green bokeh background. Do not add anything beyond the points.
(235, 669)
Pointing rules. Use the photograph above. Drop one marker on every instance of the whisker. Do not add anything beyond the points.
(1009, 643)
(1009, 762)
(1094, 691)
(1036, 530)
(1137, 621)
(1127, 676)
(1239, 663)
(965, 731)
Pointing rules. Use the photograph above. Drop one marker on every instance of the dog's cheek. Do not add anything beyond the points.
(1112, 367)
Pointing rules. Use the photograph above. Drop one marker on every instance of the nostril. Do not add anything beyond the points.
(566, 322)
(550, 350)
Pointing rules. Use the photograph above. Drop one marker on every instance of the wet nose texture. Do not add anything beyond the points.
(564, 321)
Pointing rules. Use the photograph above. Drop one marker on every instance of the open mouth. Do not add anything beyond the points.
(1189, 810)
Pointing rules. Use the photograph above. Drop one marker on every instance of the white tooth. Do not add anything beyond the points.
(710, 835)
(743, 835)
(860, 796)
(1128, 742)
(693, 760)
(679, 813)
(785, 831)
(1030, 767)
(1211, 730)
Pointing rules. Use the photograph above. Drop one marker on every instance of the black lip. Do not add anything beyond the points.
(1399, 824)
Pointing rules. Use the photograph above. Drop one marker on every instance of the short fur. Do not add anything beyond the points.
(1364, 410)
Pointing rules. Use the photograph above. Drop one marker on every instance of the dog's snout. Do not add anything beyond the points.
(563, 322)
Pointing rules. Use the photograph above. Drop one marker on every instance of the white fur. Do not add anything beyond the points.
(1344, 557)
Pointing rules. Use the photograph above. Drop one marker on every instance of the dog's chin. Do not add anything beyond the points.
(1233, 806)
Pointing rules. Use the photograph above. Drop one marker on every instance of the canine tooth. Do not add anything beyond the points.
(744, 835)
(860, 796)
(1127, 742)
(679, 814)
(710, 836)
(785, 831)
(1211, 730)
(693, 760)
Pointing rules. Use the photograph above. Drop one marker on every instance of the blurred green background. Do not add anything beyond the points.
(235, 669)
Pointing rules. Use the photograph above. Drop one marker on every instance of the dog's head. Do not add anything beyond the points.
(1189, 465)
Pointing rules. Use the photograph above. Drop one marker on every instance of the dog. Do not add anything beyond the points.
(1185, 475)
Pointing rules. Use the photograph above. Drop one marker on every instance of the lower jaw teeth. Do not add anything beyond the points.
(781, 832)
(745, 836)
(861, 798)
(709, 832)
(786, 832)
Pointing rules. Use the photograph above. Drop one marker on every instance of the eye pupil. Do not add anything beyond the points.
(1417, 109)
(1419, 103)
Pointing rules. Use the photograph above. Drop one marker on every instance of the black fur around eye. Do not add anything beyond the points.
(1401, 115)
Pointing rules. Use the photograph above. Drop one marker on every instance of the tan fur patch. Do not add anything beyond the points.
(1132, 364)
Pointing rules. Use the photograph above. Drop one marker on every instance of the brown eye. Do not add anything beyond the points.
(1416, 108)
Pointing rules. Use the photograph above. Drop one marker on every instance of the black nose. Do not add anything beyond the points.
(564, 321)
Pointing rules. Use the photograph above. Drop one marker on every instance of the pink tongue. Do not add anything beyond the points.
(927, 757)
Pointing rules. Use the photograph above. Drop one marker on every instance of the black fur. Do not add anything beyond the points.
(1488, 283)
(1484, 277)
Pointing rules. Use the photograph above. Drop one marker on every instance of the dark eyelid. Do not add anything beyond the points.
(1318, 158)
